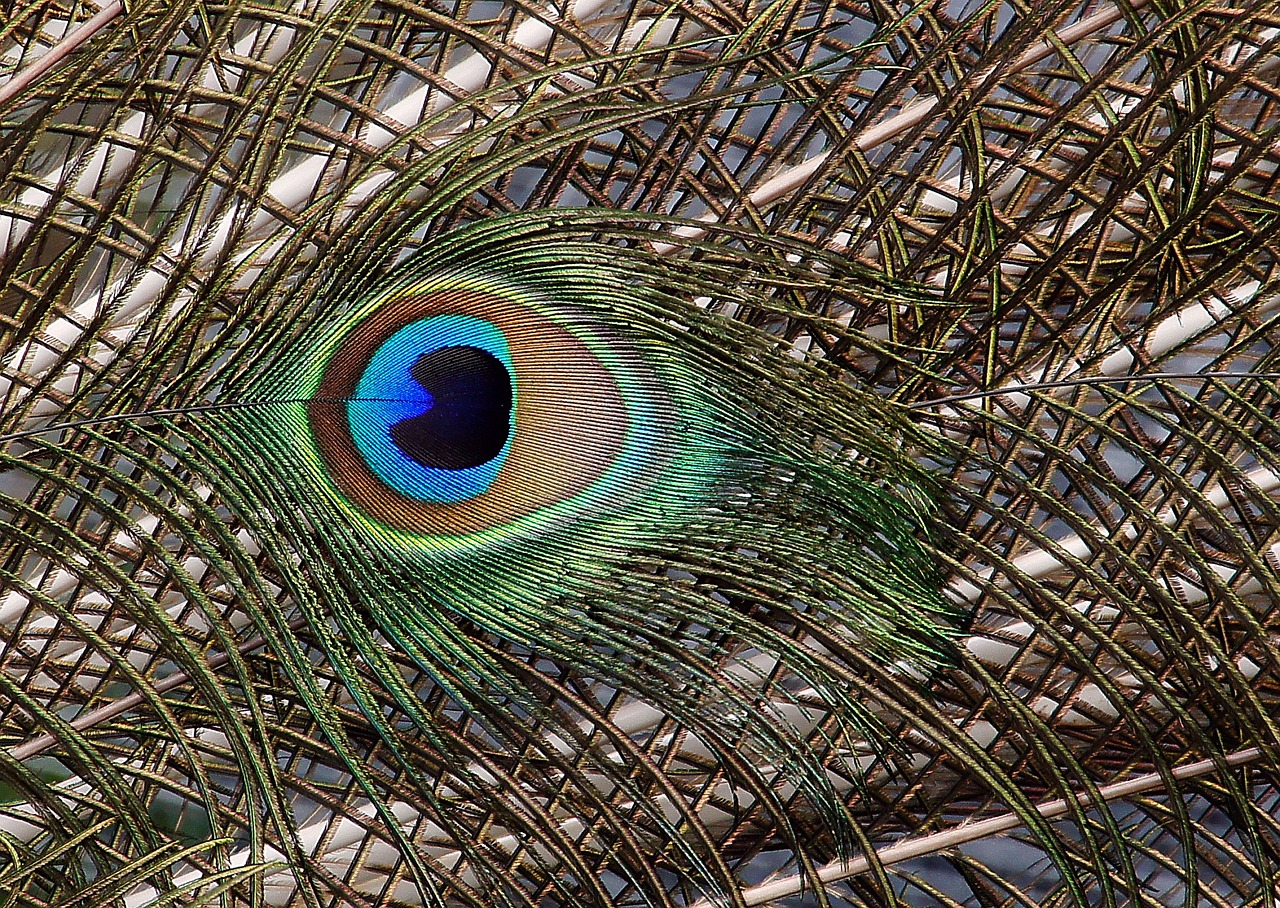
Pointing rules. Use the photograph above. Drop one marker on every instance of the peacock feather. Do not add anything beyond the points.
(766, 453)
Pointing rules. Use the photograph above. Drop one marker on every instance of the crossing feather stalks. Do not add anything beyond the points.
(619, 454)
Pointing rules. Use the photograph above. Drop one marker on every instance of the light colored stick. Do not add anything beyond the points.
(60, 51)
(937, 842)
(913, 114)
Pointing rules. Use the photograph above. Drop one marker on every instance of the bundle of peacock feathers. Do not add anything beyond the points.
(607, 454)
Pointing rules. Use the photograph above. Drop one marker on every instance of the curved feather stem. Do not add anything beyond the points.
(192, 409)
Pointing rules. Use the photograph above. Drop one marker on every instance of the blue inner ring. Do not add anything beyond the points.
(387, 394)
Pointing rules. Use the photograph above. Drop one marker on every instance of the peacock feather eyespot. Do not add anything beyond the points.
(552, 446)
(531, 441)
(451, 410)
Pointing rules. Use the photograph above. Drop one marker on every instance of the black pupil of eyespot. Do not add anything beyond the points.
(469, 419)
